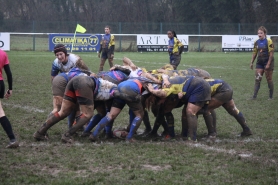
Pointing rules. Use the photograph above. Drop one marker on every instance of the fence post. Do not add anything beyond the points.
(239, 28)
(199, 39)
(161, 28)
(120, 39)
(34, 39)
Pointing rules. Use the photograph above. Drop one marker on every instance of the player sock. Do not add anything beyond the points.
(7, 127)
(134, 124)
(103, 122)
(93, 122)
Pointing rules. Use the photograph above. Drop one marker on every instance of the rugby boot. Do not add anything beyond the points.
(80, 122)
(66, 138)
(209, 123)
(168, 138)
(246, 132)
(41, 133)
(13, 144)
(85, 134)
(40, 137)
(93, 138)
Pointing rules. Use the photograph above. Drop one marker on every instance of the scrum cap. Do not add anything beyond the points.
(60, 47)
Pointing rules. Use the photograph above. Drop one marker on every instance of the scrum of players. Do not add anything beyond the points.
(78, 93)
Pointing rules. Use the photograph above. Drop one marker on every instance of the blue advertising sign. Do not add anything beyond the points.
(81, 43)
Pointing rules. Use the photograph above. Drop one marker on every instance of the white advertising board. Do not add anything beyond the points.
(157, 43)
(5, 41)
(232, 43)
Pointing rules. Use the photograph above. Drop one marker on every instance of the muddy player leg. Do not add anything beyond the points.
(67, 106)
(268, 75)
(102, 62)
(232, 110)
(258, 79)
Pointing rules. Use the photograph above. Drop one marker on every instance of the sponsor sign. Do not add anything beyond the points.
(232, 43)
(5, 41)
(157, 43)
(81, 43)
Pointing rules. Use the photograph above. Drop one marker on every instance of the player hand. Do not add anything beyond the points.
(267, 67)
(251, 66)
(150, 87)
(180, 95)
(98, 55)
(93, 74)
(112, 68)
(8, 94)
(166, 83)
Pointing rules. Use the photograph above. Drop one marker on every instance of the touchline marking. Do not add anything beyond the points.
(27, 108)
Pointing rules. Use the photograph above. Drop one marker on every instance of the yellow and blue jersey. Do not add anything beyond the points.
(107, 41)
(214, 84)
(263, 47)
(173, 45)
(178, 84)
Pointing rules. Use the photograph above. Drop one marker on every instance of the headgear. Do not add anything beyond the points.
(60, 47)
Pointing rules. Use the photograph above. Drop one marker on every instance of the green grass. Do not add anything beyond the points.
(230, 160)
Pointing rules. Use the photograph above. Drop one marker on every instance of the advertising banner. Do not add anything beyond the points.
(5, 41)
(231, 43)
(158, 43)
(81, 43)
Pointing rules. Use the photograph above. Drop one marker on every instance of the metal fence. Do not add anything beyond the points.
(136, 28)
(202, 37)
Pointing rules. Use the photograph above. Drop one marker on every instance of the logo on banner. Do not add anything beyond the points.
(78, 41)
(245, 38)
(1, 44)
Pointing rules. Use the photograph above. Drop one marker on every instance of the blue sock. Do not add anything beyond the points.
(93, 122)
(131, 116)
(71, 118)
(134, 123)
(103, 122)
(108, 128)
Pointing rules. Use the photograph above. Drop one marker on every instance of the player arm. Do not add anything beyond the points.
(254, 56)
(128, 62)
(81, 65)
(112, 44)
(181, 47)
(122, 68)
(54, 71)
(157, 92)
(271, 51)
(100, 48)
(9, 76)
(151, 77)
(165, 80)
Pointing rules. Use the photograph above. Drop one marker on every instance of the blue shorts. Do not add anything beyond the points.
(198, 91)
(262, 62)
(130, 94)
(175, 60)
(106, 53)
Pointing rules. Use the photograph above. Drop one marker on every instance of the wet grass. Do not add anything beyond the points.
(230, 160)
